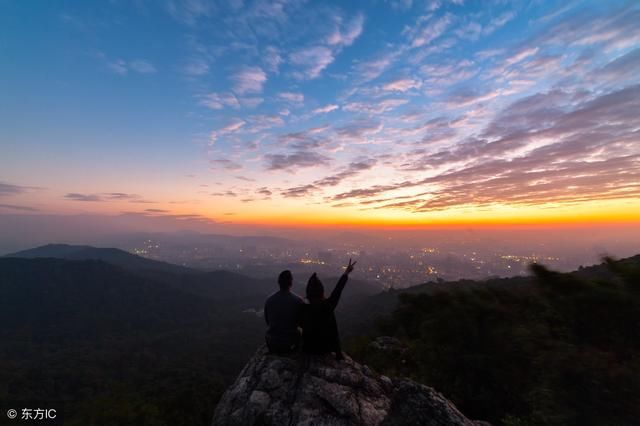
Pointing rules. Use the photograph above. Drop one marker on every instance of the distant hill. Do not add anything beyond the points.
(115, 347)
(224, 286)
(362, 314)
(553, 348)
(110, 255)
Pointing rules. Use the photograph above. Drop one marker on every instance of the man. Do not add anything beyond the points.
(282, 312)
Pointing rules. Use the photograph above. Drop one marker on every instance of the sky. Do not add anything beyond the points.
(394, 113)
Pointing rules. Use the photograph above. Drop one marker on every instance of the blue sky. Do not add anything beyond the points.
(382, 110)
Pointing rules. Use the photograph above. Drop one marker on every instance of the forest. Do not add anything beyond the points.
(560, 349)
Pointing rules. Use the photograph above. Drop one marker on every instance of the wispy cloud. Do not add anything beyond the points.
(325, 109)
(18, 208)
(140, 66)
(402, 85)
(428, 28)
(295, 97)
(296, 160)
(106, 196)
(225, 163)
(312, 60)
(249, 80)
(220, 100)
(10, 189)
(345, 35)
(196, 67)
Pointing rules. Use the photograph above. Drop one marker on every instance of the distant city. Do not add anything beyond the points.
(391, 268)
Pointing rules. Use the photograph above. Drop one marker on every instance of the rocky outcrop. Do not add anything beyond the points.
(309, 390)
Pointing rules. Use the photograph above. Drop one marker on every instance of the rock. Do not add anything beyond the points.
(318, 390)
(388, 344)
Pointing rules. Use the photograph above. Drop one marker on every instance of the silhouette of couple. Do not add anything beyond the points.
(286, 313)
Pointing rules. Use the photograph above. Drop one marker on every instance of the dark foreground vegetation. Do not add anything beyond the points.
(560, 349)
(113, 348)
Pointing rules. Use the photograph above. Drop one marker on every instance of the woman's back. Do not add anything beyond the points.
(319, 326)
(320, 329)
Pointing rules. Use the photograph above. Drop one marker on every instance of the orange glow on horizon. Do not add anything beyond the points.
(611, 212)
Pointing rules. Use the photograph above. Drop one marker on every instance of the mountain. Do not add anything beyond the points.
(114, 347)
(274, 390)
(110, 255)
(223, 286)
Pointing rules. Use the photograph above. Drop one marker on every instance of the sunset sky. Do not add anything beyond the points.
(393, 112)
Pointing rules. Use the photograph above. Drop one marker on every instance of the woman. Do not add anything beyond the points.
(319, 327)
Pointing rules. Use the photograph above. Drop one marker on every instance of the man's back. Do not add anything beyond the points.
(282, 313)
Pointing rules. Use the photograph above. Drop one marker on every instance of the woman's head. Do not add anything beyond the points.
(315, 289)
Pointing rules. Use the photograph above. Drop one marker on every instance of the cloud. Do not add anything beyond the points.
(121, 196)
(272, 59)
(232, 126)
(74, 196)
(264, 191)
(298, 191)
(521, 55)
(374, 68)
(470, 31)
(122, 67)
(623, 68)
(468, 95)
(196, 67)
(250, 102)
(444, 75)
(189, 11)
(424, 34)
(118, 66)
(306, 139)
(19, 208)
(473, 30)
(249, 80)
(156, 211)
(375, 108)
(325, 109)
(106, 196)
(258, 123)
(498, 22)
(616, 30)
(224, 194)
(402, 85)
(349, 33)
(225, 163)
(294, 97)
(360, 130)
(142, 66)
(295, 160)
(351, 170)
(220, 100)
(400, 4)
(9, 189)
(312, 60)
(545, 148)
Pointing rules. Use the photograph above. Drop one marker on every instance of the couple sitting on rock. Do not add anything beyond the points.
(286, 313)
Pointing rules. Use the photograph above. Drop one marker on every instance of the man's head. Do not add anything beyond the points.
(315, 289)
(285, 280)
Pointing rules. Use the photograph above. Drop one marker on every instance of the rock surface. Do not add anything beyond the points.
(310, 390)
